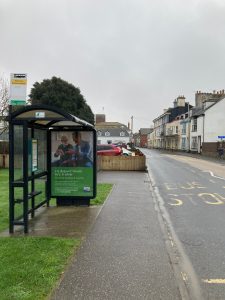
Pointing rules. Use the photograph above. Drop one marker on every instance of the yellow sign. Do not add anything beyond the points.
(19, 81)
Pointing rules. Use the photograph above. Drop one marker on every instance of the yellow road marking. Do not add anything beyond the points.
(192, 185)
(218, 201)
(184, 276)
(215, 281)
(170, 186)
(185, 186)
(218, 195)
(178, 202)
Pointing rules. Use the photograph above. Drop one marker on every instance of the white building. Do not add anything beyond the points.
(113, 135)
(177, 133)
(213, 123)
(207, 121)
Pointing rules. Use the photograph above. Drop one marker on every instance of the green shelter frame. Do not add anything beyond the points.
(30, 130)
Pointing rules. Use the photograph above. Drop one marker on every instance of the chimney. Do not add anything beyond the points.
(175, 103)
(181, 101)
(99, 118)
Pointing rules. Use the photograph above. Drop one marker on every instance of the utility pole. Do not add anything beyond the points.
(189, 129)
(132, 118)
(131, 127)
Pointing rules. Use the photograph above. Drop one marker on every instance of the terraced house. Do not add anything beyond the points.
(207, 122)
(167, 126)
(198, 129)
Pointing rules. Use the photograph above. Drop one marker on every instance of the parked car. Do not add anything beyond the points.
(127, 152)
(108, 149)
(120, 144)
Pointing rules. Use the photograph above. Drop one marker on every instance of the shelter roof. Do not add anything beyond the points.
(44, 115)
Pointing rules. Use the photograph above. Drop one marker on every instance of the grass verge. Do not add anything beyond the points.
(103, 190)
(4, 199)
(30, 267)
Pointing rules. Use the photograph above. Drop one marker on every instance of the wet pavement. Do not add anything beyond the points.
(67, 221)
(124, 255)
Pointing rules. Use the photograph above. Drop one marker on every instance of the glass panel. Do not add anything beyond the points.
(29, 191)
(65, 123)
(18, 207)
(41, 122)
(18, 152)
(29, 152)
(41, 136)
(40, 187)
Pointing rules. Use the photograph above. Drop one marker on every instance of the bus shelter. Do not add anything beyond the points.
(52, 154)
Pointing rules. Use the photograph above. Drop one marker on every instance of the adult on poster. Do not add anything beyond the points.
(63, 153)
(81, 152)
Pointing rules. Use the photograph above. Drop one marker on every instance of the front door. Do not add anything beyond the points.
(199, 144)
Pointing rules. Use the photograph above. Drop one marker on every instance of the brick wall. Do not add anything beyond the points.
(144, 140)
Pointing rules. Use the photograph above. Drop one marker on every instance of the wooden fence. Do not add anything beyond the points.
(114, 163)
(4, 160)
(122, 163)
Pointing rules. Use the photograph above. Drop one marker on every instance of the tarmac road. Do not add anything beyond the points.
(191, 193)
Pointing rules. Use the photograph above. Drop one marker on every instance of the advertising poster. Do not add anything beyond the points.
(72, 163)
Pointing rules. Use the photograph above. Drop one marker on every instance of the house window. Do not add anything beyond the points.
(194, 142)
(183, 143)
(99, 133)
(184, 128)
(122, 133)
(107, 133)
(176, 129)
(194, 125)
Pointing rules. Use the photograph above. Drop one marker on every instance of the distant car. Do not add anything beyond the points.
(127, 152)
(120, 144)
(108, 149)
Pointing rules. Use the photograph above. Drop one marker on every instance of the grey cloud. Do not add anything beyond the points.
(132, 57)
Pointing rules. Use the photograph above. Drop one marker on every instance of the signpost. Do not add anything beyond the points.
(18, 89)
(221, 137)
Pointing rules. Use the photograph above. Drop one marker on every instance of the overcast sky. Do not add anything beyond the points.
(128, 57)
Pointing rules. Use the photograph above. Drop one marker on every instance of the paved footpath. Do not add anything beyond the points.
(124, 255)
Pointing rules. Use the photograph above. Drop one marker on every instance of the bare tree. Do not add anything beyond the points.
(4, 103)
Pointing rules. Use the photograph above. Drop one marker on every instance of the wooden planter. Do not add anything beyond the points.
(121, 163)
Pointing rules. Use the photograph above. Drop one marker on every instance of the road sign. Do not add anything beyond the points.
(18, 89)
(221, 136)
